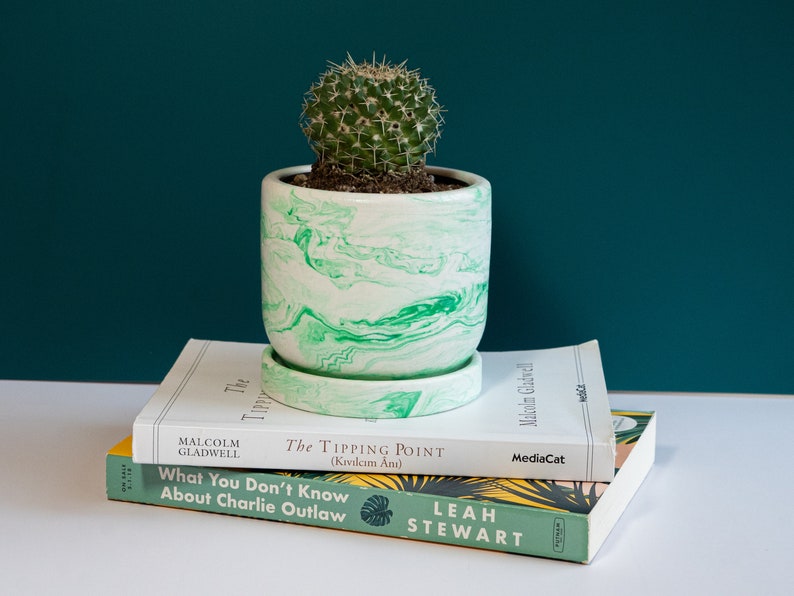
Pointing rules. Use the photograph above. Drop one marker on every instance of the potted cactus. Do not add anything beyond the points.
(374, 266)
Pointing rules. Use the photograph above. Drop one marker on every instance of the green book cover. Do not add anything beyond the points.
(555, 519)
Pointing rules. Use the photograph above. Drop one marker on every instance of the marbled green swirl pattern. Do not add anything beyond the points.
(355, 398)
(375, 286)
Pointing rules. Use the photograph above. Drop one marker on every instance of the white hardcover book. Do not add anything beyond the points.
(541, 414)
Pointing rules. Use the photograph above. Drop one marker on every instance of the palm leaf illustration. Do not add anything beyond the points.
(442, 486)
(631, 435)
(576, 497)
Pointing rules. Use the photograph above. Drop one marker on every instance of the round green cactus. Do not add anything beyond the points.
(371, 116)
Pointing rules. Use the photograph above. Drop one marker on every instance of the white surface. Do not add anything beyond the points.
(713, 517)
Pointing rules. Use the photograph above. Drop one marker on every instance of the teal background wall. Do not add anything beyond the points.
(641, 156)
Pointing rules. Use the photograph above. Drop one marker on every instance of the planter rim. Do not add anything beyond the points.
(472, 180)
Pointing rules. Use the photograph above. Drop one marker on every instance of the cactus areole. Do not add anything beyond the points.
(374, 266)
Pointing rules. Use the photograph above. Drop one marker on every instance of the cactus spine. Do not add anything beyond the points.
(370, 116)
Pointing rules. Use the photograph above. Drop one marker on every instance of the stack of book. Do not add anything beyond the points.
(210, 440)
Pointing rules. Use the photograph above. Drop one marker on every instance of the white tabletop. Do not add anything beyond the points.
(712, 517)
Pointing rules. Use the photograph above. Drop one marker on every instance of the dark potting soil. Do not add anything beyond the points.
(418, 179)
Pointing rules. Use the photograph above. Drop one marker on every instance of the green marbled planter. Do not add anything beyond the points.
(375, 287)
(355, 398)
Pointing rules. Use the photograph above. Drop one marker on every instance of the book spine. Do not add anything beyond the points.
(314, 502)
(182, 444)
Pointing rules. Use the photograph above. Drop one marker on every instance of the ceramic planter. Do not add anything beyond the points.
(372, 288)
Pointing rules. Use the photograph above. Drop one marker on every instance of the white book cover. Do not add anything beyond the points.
(541, 414)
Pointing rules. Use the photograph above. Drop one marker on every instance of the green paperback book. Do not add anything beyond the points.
(546, 518)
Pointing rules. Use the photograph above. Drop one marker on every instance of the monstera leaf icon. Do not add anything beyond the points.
(375, 511)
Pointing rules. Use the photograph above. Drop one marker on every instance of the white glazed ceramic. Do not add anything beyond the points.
(357, 398)
(375, 287)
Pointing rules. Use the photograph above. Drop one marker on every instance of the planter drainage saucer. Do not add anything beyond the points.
(357, 398)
